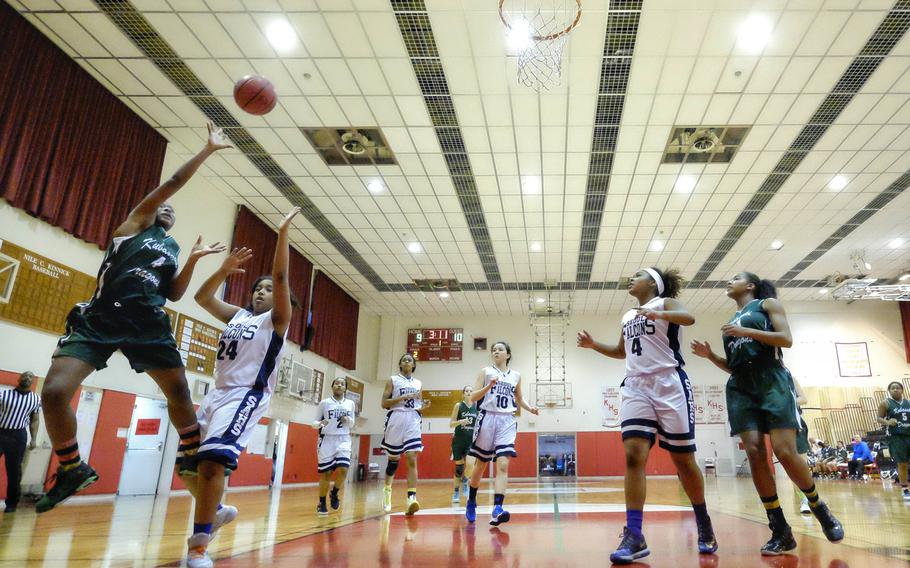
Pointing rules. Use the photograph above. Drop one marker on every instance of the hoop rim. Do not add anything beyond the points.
(550, 37)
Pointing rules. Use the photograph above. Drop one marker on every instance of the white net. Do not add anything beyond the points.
(538, 30)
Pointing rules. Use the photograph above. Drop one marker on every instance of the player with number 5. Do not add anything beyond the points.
(657, 402)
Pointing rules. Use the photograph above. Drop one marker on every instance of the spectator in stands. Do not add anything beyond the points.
(856, 467)
(840, 460)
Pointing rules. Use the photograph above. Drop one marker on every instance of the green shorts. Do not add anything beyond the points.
(93, 337)
(460, 447)
(899, 448)
(802, 437)
(761, 400)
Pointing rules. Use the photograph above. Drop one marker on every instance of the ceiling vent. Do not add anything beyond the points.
(704, 144)
(351, 146)
(438, 285)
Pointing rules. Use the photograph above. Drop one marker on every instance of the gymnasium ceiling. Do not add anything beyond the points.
(510, 191)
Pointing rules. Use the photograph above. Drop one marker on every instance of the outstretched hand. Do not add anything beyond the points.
(216, 140)
(199, 250)
(286, 222)
(235, 260)
(585, 340)
(701, 348)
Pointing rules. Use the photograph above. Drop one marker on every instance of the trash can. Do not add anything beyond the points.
(361, 472)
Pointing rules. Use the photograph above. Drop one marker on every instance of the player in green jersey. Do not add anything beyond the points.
(464, 414)
(138, 275)
(894, 414)
(761, 400)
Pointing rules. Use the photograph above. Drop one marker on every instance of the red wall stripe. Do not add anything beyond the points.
(107, 449)
(300, 456)
(252, 469)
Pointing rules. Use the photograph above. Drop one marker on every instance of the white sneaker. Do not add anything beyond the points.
(906, 494)
(197, 556)
(413, 506)
(804, 506)
(223, 516)
(386, 499)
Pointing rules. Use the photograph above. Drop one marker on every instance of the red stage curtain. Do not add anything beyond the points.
(71, 153)
(905, 323)
(251, 232)
(335, 316)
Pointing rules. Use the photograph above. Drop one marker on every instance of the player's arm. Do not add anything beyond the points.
(479, 389)
(800, 395)
(521, 401)
(674, 312)
(281, 289)
(453, 419)
(143, 215)
(321, 420)
(205, 296)
(703, 349)
(585, 341)
(780, 337)
(882, 415)
(178, 285)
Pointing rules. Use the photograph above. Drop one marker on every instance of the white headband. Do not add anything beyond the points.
(657, 279)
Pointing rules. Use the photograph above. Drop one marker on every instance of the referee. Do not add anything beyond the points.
(18, 410)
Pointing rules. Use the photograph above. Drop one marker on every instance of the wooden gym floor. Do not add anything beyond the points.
(553, 524)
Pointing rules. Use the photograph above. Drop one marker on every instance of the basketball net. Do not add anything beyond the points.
(539, 30)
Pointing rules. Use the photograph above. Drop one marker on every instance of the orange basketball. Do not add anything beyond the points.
(255, 94)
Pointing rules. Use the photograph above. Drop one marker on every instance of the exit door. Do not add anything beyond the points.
(144, 447)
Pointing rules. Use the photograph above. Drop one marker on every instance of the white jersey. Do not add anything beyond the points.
(401, 386)
(248, 352)
(334, 411)
(652, 346)
(501, 398)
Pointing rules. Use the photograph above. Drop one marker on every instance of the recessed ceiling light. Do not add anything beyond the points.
(777, 245)
(904, 277)
(414, 248)
(823, 291)
(896, 243)
(520, 35)
(754, 33)
(530, 185)
(281, 35)
(838, 182)
(685, 184)
(375, 186)
(540, 300)
(868, 266)
(443, 295)
(535, 247)
(656, 246)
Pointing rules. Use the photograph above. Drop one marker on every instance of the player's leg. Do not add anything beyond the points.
(341, 473)
(481, 450)
(763, 478)
(500, 483)
(413, 504)
(457, 478)
(390, 469)
(324, 477)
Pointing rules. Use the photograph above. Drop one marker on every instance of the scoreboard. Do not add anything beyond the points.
(443, 344)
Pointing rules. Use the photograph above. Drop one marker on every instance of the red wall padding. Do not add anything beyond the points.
(364, 456)
(601, 454)
(525, 465)
(252, 469)
(300, 456)
(107, 449)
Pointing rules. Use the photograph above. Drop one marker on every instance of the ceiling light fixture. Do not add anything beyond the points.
(375, 186)
(777, 245)
(535, 247)
(415, 248)
(443, 295)
(540, 300)
(904, 277)
(754, 33)
(519, 35)
(868, 266)
(838, 182)
(281, 35)
(896, 243)
(823, 291)
(685, 184)
(530, 185)
(656, 246)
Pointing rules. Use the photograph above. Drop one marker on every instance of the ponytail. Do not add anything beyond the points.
(763, 288)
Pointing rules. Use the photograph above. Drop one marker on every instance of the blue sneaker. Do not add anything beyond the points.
(500, 516)
(631, 548)
(470, 511)
(707, 544)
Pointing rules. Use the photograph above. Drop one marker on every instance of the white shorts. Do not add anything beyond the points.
(333, 451)
(402, 432)
(494, 436)
(659, 405)
(227, 417)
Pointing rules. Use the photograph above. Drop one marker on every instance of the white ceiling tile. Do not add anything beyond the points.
(73, 34)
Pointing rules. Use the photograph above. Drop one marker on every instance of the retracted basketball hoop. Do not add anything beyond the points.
(539, 30)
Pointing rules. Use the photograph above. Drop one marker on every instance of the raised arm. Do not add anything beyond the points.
(703, 349)
(205, 296)
(585, 341)
(780, 337)
(179, 284)
(143, 215)
(673, 312)
(281, 289)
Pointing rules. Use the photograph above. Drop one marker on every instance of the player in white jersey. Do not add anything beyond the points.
(335, 418)
(403, 399)
(498, 390)
(245, 375)
(657, 402)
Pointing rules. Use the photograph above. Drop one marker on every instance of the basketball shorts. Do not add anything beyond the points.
(334, 451)
(802, 437)
(899, 448)
(402, 432)
(494, 436)
(461, 444)
(93, 337)
(659, 407)
(762, 400)
(227, 417)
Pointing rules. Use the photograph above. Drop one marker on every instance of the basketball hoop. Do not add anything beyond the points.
(539, 30)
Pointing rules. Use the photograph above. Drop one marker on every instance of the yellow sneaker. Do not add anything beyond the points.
(413, 506)
(387, 499)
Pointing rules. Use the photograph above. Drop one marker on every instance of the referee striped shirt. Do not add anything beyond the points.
(16, 408)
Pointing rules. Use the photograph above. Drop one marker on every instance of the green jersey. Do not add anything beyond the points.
(745, 352)
(469, 412)
(899, 411)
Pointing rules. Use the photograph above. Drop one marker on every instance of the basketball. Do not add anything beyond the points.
(255, 94)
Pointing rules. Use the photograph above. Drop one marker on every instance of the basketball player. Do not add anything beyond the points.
(463, 416)
(245, 373)
(802, 436)
(497, 392)
(403, 399)
(333, 455)
(894, 414)
(138, 275)
(761, 401)
(657, 403)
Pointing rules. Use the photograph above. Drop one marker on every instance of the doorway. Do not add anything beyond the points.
(556, 455)
(144, 447)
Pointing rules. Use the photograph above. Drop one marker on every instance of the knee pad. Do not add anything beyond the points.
(459, 470)
(391, 467)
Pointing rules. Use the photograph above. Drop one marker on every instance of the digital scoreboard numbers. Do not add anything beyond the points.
(443, 344)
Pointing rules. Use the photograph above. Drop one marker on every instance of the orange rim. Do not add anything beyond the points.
(546, 37)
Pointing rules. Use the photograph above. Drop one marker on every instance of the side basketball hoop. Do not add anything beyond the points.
(539, 30)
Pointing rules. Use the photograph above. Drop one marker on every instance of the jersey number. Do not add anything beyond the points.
(409, 403)
(340, 422)
(636, 346)
(502, 401)
(229, 349)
